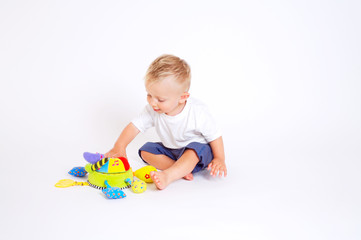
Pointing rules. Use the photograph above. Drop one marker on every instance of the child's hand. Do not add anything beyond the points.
(217, 167)
(115, 153)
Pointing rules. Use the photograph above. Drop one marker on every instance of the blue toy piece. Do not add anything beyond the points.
(78, 172)
(113, 192)
(128, 180)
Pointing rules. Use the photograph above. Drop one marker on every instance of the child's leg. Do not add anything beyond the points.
(182, 167)
(158, 161)
(162, 162)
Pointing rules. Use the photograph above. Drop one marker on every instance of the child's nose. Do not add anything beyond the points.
(152, 102)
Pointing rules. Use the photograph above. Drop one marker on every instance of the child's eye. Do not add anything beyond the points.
(161, 100)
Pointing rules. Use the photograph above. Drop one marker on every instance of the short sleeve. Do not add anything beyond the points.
(144, 120)
(208, 126)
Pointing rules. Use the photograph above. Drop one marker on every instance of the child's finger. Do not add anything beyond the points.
(220, 173)
(212, 168)
(212, 171)
(215, 170)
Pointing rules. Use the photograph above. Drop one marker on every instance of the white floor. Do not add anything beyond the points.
(283, 79)
(264, 197)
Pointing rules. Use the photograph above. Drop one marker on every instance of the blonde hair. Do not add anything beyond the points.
(169, 65)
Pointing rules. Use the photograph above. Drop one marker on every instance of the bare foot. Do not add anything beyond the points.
(160, 179)
(188, 177)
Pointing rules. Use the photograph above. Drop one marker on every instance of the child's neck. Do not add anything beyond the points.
(178, 110)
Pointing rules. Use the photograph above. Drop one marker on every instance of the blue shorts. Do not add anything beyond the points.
(203, 151)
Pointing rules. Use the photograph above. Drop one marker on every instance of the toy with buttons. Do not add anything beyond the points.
(111, 175)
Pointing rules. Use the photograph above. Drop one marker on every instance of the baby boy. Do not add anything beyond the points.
(190, 138)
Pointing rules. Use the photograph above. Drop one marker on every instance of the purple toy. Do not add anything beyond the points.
(93, 157)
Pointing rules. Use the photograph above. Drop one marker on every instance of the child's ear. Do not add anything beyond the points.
(184, 97)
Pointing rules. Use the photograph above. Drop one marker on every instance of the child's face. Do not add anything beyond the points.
(166, 96)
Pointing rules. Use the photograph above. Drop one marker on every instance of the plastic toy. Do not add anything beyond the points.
(113, 170)
(139, 186)
(144, 173)
(78, 172)
(113, 192)
(111, 175)
(68, 183)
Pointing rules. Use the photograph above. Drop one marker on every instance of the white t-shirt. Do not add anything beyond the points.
(193, 124)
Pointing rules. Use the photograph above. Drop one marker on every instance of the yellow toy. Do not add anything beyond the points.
(68, 183)
(139, 186)
(111, 175)
(144, 173)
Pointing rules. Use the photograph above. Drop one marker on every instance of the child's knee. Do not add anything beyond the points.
(147, 156)
(144, 155)
(192, 153)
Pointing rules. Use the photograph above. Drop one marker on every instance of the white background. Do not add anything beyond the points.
(283, 78)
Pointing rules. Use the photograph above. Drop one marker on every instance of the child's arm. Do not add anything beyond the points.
(127, 135)
(218, 164)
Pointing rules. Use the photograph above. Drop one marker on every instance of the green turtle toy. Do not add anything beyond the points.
(111, 175)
